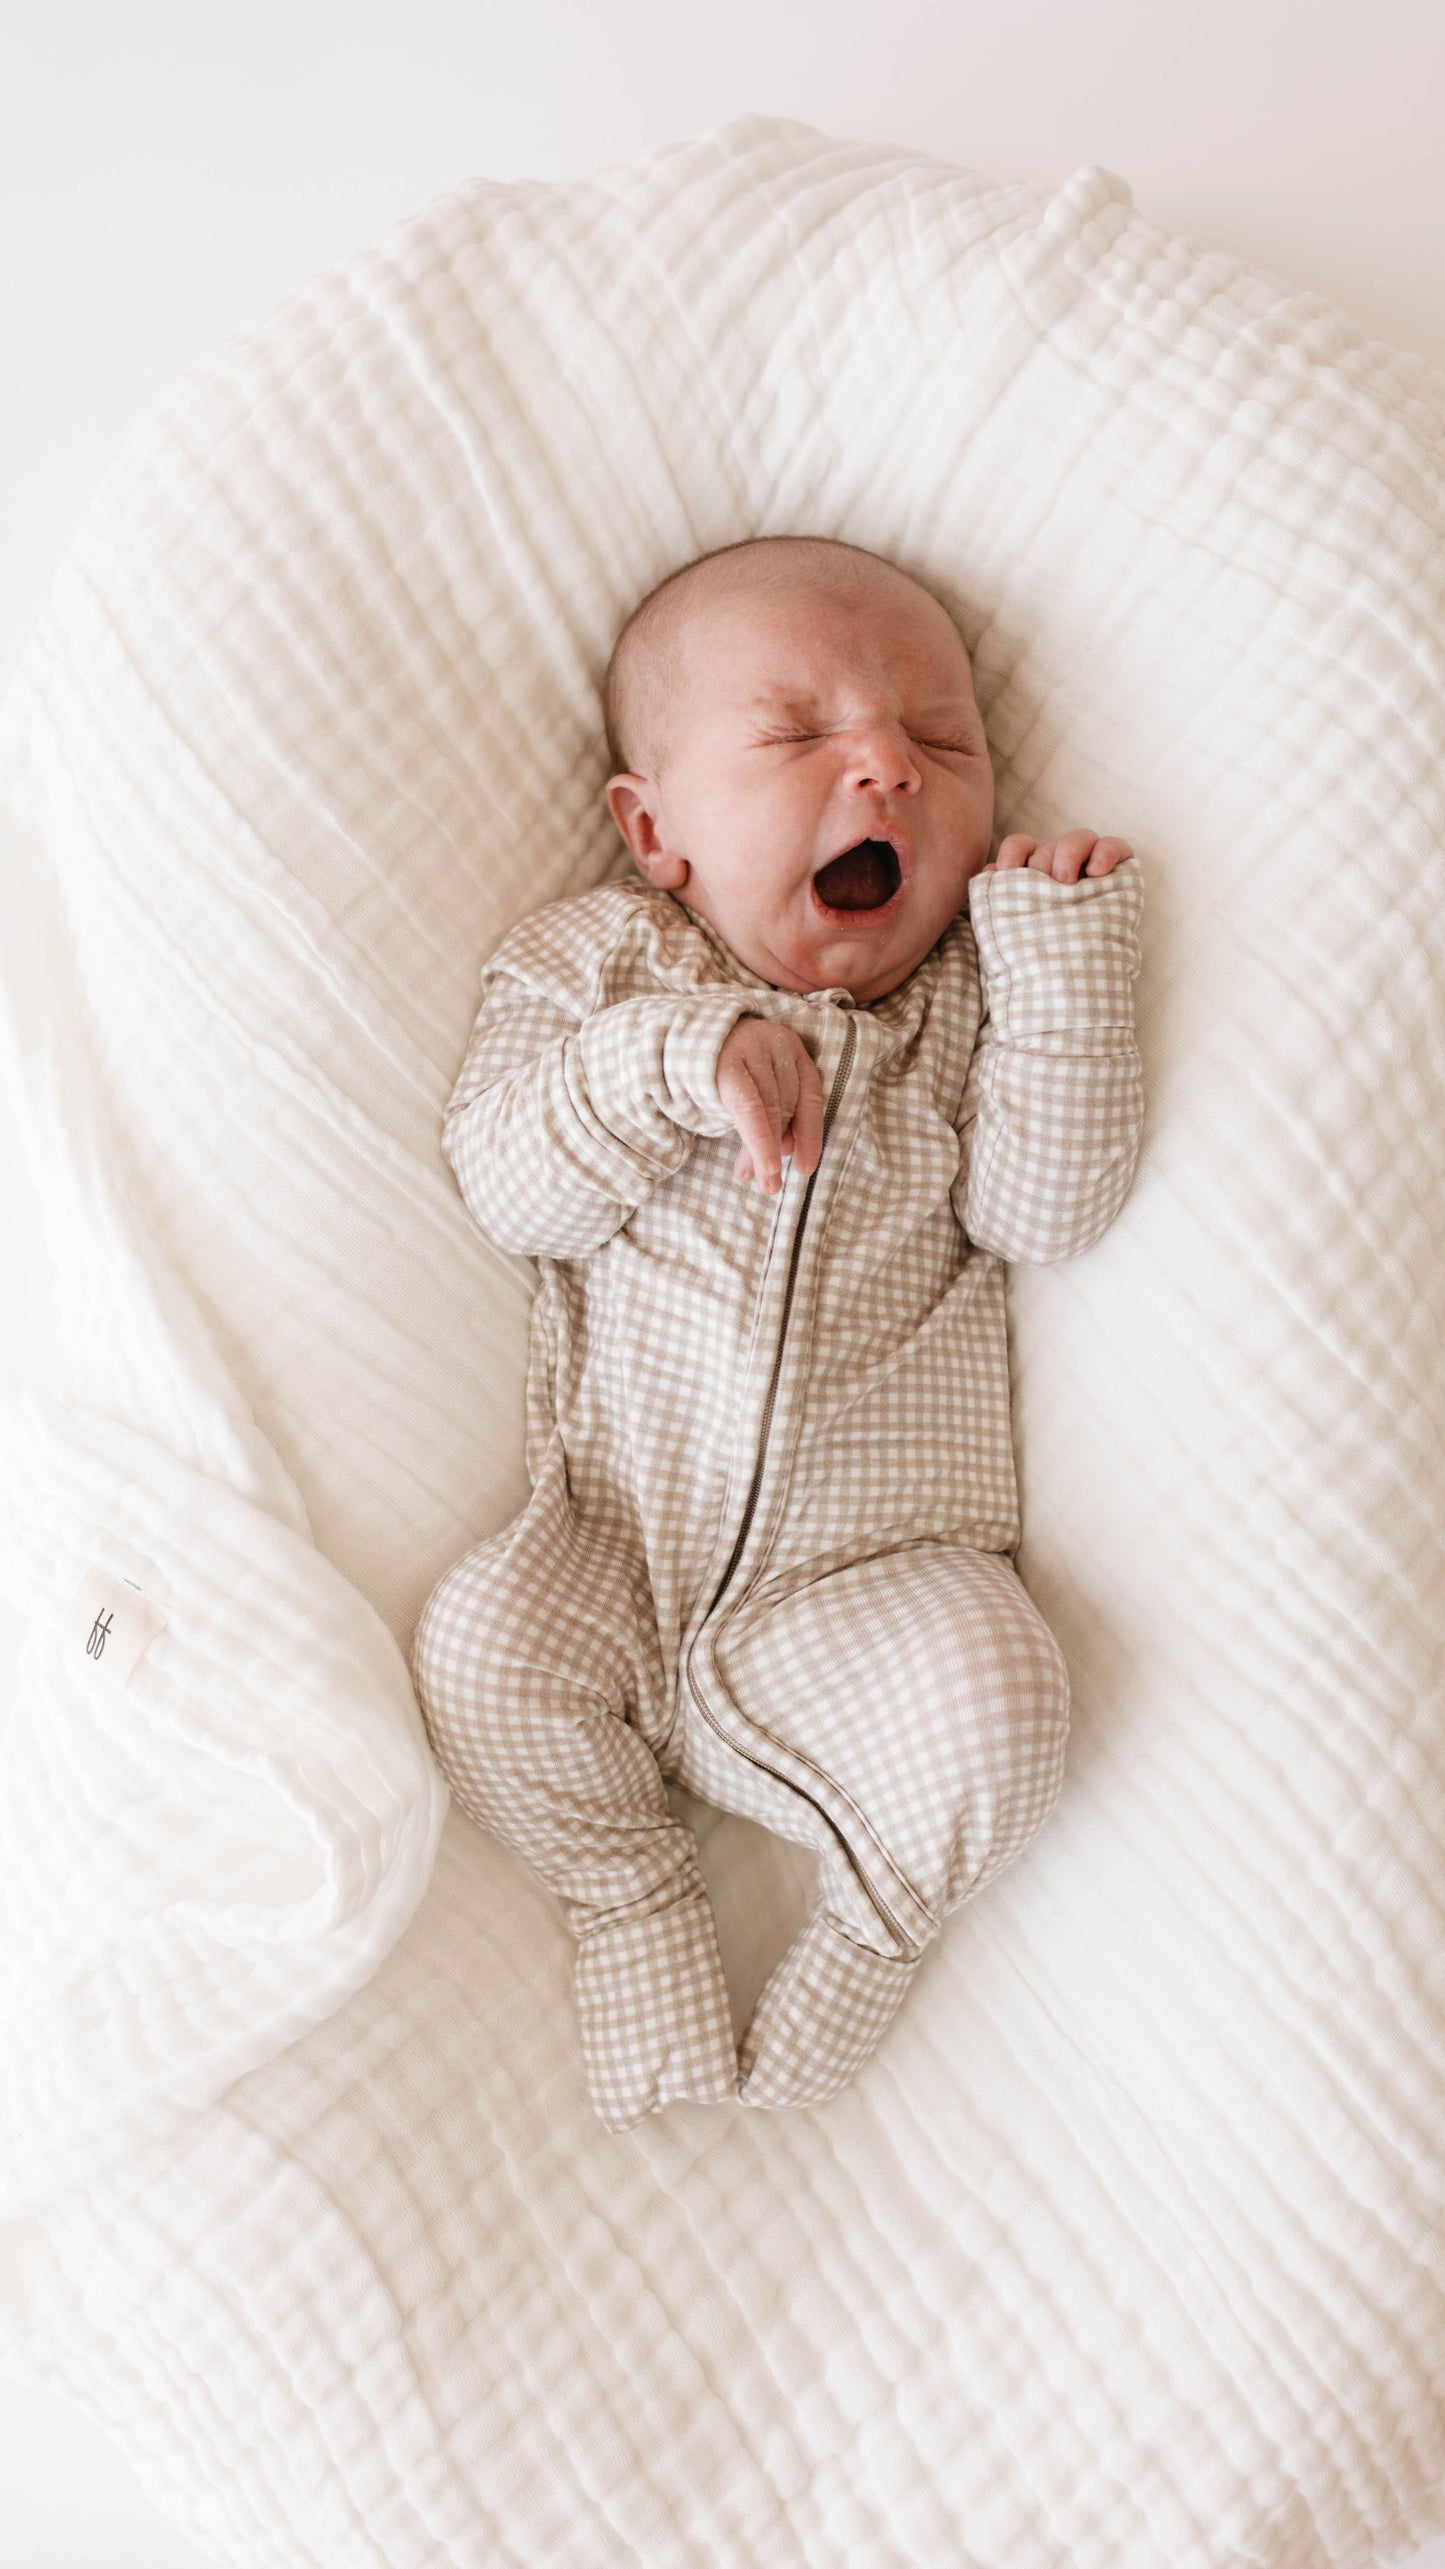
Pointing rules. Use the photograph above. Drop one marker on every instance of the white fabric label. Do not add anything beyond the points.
(108, 1623)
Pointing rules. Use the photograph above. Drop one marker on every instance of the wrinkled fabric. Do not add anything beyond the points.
(1123, 2248)
(773, 1499)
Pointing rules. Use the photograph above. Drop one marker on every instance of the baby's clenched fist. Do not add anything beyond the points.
(767, 1081)
(1077, 852)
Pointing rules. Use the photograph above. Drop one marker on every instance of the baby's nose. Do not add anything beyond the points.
(884, 760)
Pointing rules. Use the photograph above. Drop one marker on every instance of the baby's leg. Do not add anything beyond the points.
(927, 1684)
(532, 1658)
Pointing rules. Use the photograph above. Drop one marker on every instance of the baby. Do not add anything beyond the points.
(769, 1116)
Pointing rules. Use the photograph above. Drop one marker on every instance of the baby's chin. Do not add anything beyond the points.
(879, 949)
(867, 965)
(806, 949)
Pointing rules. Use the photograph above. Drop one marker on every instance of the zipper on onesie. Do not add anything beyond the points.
(908, 1942)
(834, 1093)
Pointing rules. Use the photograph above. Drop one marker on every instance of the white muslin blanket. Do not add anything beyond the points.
(1125, 2248)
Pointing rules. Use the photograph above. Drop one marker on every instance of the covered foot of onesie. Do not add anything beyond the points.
(820, 2015)
(654, 2014)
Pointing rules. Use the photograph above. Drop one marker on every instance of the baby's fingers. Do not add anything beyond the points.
(768, 1082)
(1084, 852)
(1077, 852)
(1041, 855)
(1107, 854)
(1070, 852)
(764, 1147)
(759, 1118)
(806, 1127)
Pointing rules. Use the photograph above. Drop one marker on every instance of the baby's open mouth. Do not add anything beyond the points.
(864, 877)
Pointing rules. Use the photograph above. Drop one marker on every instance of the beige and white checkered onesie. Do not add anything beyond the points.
(773, 1490)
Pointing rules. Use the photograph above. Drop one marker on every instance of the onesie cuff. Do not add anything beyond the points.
(654, 2013)
(690, 1057)
(1059, 957)
(647, 1071)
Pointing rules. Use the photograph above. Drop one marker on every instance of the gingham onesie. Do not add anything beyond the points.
(767, 1550)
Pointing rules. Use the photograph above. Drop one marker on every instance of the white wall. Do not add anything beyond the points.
(168, 170)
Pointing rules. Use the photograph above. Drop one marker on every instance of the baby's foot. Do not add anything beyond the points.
(654, 2013)
(821, 2014)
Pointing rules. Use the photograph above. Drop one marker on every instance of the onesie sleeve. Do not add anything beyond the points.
(561, 1124)
(1052, 1111)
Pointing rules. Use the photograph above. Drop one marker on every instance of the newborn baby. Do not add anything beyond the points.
(769, 1116)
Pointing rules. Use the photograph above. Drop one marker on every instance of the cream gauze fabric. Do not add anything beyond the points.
(773, 1490)
(1123, 2246)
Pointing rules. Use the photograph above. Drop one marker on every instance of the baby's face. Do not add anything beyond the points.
(808, 722)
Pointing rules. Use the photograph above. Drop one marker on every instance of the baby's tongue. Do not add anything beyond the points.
(862, 878)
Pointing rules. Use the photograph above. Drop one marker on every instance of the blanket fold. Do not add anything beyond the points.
(202, 1860)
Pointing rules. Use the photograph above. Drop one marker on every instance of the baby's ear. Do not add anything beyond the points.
(632, 802)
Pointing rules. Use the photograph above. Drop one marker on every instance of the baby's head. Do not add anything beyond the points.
(801, 759)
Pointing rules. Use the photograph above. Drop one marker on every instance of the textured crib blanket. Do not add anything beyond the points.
(1125, 2248)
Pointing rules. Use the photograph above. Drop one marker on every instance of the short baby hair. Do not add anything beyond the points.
(646, 666)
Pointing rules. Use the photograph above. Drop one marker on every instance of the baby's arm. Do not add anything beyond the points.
(560, 1124)
(1053, 1105)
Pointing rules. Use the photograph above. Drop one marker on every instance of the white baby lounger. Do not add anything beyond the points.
(1125, 2247)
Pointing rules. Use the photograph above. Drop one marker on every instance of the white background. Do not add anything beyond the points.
(168, 170)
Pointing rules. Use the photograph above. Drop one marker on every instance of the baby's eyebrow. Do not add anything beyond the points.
(944, 708)
(793, 706)
(775, 701)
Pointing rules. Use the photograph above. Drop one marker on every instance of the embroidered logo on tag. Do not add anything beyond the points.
(108, 1623)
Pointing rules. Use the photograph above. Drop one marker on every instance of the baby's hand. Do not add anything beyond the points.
(1077, 852)
(768, 1082)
